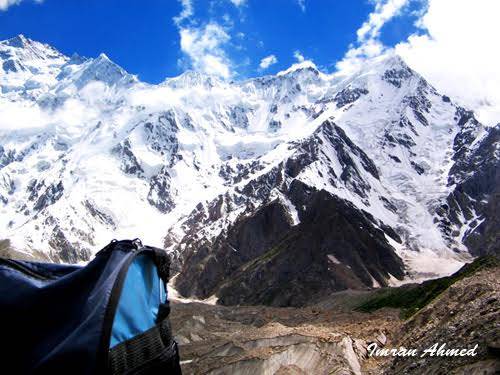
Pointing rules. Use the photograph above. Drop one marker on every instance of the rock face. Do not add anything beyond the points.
(264, 259)
(326, 252)
(474, 201)
(245, 241)
(302, 244)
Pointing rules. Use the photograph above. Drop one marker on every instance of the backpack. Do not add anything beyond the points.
(108, 317)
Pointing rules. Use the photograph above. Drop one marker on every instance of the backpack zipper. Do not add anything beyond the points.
(24, 270)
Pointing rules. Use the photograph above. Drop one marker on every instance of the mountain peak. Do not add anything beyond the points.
(102, 69)
(19, 41)
(103, 57)
(28, 49)
(394, 61)
(104, 62)
(191, 78)
(304, 65)
(77, 59)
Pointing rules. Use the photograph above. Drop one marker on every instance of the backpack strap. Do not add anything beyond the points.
(162, 261)
(152, 352)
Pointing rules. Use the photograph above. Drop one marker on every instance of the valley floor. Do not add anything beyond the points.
(332, 338)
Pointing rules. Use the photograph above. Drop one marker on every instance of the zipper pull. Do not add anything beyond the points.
(137, 243)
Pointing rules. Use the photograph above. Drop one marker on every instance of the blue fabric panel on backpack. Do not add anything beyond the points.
(142, 293)
(57, 314)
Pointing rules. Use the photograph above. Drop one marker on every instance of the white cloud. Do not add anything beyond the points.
(356, 56)
(266, 62)
(186, 12)
(302, 5)
(383, 12)
(5, 4)
(204, 48)
(29, 118)
(228, 21)
(238, 3)
(368, 44)
(18, 116)
(298, 56)
(202, 44)
(459, 53)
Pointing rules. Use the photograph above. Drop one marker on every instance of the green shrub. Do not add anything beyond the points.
(411, 298)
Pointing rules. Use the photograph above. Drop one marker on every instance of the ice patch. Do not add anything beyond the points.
(332, 259)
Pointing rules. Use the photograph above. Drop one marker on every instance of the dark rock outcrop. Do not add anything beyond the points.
(103, 217)
(475, 198)
(312, 149)
(66, 251)
(51, 195)
(128, 161)
(349, 95)
(264, 259)
(396, 76)
(159, 194)
(246, 240)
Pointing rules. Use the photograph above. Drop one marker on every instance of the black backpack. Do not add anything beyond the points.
(108, 317)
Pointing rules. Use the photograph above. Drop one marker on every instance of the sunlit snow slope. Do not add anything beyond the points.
(89, 153)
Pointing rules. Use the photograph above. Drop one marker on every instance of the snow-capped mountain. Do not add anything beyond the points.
(395, 178)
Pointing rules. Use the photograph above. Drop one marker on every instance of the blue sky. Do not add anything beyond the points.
(144, 37)
(453, 44)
